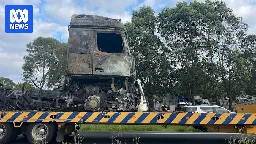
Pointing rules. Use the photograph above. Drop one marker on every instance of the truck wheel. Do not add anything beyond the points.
(7, 133)
(41, 132)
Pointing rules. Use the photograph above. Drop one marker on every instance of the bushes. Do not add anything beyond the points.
(130, 128)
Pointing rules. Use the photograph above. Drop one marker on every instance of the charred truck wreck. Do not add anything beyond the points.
(100, 74)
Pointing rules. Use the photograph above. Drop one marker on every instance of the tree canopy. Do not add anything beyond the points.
(45, 63)
(6, 83)
(199, 48)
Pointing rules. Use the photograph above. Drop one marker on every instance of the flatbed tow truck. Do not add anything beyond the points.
(99, 88)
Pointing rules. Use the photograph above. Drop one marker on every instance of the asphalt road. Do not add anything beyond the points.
(151, 138)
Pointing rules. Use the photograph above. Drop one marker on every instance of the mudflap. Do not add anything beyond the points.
(60, 134)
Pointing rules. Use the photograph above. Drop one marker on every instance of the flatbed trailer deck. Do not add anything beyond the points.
(37, 125)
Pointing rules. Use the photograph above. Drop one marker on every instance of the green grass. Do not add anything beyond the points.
(114, 128)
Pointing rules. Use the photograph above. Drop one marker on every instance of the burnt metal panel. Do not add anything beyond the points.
(112, 64)
(81, 20)
(79, 64)
(80, 47)
(80, 40)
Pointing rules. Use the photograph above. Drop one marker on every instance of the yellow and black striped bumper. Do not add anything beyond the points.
(130, 117)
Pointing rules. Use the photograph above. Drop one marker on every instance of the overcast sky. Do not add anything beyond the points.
(51, 18)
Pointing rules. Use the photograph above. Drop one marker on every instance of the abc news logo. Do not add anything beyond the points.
(14, 19)
(18, 18)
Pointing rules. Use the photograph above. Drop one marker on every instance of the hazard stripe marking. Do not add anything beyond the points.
(131, 117)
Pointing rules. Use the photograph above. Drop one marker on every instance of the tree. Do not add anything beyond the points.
(229, 61)
(6, 83)
(205, 35)
(44, 65)
(58, 68)
(183, 29)
(249, 52)
(24, 85)
(151, 62)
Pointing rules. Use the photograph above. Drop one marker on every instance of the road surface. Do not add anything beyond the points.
(151, 138)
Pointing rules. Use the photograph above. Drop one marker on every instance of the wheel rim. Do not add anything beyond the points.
(39, 132)
(2, 131)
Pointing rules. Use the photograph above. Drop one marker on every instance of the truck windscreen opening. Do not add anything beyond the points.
(110, 42)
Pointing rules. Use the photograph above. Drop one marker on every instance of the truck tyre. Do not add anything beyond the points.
(41, 132)
(7, 133)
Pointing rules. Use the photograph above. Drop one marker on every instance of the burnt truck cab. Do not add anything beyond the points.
(97, 46)
(100, 69)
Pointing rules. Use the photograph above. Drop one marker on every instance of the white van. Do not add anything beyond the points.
(206, 109)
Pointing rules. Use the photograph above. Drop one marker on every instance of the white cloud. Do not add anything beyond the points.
(33, 2)
(61, 11)
(11, 64)
(116, 6)
(13, 45)
(150, 3)
(244, 9)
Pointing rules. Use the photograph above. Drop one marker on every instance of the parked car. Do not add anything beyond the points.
(206, 109)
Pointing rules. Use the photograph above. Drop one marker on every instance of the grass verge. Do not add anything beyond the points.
(115, 128)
